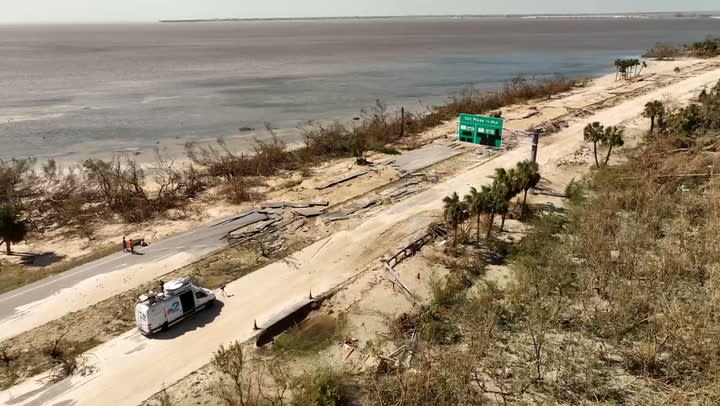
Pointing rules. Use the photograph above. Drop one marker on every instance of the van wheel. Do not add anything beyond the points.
(164, 327)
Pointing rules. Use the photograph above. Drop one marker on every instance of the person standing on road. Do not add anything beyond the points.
(124, 245)
(131, 246)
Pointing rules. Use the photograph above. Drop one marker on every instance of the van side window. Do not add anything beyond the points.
(200, 294)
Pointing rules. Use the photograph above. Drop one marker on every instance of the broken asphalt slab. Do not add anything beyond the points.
(282, 205)
(342, 180)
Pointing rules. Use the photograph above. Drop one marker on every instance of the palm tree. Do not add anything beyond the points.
(506, 182)
(654, 109)
(613, 137)
(528, 176)
(618, 68)
(475, 202)
(594, 133)
(12, 229)
(455, 213)
(497, 204)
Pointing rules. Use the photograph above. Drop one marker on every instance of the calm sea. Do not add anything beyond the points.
(78, 90)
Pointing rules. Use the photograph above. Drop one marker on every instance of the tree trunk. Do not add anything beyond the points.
(607, 158)
(7, 248)
(477, 229)
(525, 198)
(597, 163)
(502, 223)
(492, 218)
(652, 124)
(455, 233)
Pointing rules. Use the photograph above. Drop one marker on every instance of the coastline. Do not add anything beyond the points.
(211, 208)
(96, 102)
(244, 139)
(605, 97)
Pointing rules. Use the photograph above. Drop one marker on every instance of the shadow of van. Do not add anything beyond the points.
(196, 321)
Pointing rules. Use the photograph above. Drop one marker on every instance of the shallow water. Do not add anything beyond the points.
(77, 90)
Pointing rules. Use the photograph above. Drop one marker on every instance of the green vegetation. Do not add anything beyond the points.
(528, 176)
(707, 48)
(655, 111)
(598, 134)
(455, 214)
(324, 387)
(311, 335)
(665, 51)
(12, 229)
(688, 126)
(628, 68)
(491, 200)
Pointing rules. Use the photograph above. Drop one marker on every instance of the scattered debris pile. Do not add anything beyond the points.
(271, 217)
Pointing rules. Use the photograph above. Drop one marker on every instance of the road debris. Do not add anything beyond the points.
(342, 180)
(309, 212)
(283, 205)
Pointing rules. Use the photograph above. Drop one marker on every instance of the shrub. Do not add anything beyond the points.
(240, 190)
(575, 191)
(65, 356)
(17, 180)
(450, 291)
(245, 381)
(323, 387)
(708, 48)
(436, 328)
(448, 378)
(311, 335)
(664, 51)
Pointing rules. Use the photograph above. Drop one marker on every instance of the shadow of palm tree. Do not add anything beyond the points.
(39, 259)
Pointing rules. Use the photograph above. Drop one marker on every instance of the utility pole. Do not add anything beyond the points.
(535, 142)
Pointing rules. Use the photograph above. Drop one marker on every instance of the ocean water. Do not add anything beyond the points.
(72, 91)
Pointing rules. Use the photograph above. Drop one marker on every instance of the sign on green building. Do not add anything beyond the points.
(481, 130)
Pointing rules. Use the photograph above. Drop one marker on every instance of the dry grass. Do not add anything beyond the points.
(624, 286)
(613, 301)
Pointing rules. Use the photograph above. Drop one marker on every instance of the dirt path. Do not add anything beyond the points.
(131, 368)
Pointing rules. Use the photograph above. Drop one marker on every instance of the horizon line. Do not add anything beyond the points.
(676, 14)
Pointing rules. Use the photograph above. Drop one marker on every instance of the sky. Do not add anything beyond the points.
(153, 10)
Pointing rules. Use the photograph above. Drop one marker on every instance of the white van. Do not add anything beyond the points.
(179, 299)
